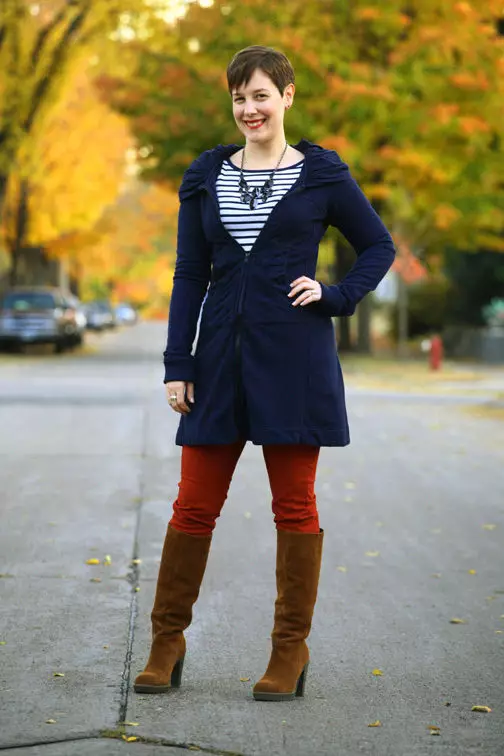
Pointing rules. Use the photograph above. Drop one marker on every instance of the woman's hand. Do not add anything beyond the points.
(176, 392)
(312, 291)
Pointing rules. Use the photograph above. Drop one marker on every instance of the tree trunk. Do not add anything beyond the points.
(344, 259)
(3, 191)
(364, 326)
(402, 314)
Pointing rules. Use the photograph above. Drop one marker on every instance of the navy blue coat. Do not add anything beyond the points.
(263, 369)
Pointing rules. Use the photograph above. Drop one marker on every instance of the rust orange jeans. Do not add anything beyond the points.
(206, 476)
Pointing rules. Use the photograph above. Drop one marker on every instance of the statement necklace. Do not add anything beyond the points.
(251, 195)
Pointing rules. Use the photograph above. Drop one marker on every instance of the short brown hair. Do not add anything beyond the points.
(273, 62)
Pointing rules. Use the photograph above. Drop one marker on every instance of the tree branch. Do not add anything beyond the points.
(44, 84)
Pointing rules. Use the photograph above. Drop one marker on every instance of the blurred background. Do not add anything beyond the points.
(104, 103)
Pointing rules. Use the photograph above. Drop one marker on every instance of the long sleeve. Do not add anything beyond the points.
(350, 211)
(190, 282)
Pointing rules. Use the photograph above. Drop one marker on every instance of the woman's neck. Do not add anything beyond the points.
(264, 155)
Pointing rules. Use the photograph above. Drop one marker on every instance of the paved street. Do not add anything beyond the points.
(413, 513)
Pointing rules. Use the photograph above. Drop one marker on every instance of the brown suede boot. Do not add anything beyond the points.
(299, 556)
(182, 568)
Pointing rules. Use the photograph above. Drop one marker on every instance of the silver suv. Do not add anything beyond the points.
(39, 315)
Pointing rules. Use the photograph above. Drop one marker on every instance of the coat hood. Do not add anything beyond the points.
(321, 166)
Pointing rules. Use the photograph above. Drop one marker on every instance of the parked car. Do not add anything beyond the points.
(99, 316)
(39, 315)
(125, 314)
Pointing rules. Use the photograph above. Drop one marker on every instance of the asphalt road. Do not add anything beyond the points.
(413, 512)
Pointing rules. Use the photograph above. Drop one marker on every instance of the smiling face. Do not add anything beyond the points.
(259, 108)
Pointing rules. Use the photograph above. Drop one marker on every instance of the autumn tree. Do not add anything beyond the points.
(410, 94)
(66, 176)
(39, 43)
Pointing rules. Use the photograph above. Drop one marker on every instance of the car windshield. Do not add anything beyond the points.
(29, 300)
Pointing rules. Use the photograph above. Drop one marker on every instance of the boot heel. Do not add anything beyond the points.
(301, 681)
(176, 676)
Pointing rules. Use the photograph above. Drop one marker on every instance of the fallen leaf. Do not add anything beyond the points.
(484, 709)
(58, 674)
(375, 724)
(92, 561)
(95, 580)
(372, 553)
(377, 672)
(436, 574)
(433, 727)
(472, 572)
(248, 516)
(136, 561)
(458, 621)
(50, 721)
(129, 724)
(341, 569)
(499, 632)
(131, 739)
(107, 559)
(489, 527)
(137, 588)
(244, 679)
(435, 732)
(105, 646)
(194, 748)
(3, 643)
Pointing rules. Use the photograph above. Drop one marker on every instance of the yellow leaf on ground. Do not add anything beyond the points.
(50, 721)
(458, 621)
(136, 561)
(372, 553)
(105, 646)
(3, 643)
(472, 572)
(489, 527)
(58, 674)
(131, 739)
(377, 672)
(499, 632)
(107, 559)
(244, 679)
(129, 724)
(375, 724)
(485, 709)
(92, 561)
(95, 580)
(137, 588)
(433, 727)
(341, 569)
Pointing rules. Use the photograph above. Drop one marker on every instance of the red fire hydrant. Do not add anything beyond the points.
(436, 353)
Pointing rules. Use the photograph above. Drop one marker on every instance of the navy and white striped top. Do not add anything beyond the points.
(240, 221)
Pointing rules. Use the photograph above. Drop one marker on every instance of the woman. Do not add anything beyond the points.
(265, 368)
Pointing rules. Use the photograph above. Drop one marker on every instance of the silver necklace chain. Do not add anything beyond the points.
(251, 195)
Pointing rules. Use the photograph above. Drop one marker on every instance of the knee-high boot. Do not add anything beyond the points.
(299, 557)
(181, 571)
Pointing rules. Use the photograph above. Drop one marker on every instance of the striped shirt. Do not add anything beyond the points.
(240, 221)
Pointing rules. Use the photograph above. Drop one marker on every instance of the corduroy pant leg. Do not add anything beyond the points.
(206, 473)
(292, 470)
